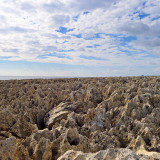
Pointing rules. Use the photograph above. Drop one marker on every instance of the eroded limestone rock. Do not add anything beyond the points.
(88, 118)
(110, 154)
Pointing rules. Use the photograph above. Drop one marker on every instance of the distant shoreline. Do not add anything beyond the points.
(56, 77)
(27, 77)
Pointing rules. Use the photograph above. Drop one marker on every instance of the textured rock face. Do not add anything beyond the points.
(89, 118)
(11, 148)
(57, 114)
(109, 154)
(6, 119)
(93, 95)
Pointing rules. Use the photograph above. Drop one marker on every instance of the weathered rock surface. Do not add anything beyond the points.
(88, 118)
(7, 120)
(109, 154)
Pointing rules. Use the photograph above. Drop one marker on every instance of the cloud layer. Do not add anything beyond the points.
(87, 32)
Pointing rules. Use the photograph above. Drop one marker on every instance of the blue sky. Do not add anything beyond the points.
(79, 38)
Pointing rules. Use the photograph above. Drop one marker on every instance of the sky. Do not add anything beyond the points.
(79, 38)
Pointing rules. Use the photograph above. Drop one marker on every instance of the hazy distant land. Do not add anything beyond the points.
(28, 77)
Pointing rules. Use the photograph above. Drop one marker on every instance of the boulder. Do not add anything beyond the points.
(43, 150)
(93, 95)
(77, 96)
(7, 119)
(11, 148)
(57, 114)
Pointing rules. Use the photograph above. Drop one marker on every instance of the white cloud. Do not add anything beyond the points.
(29, 30)
(60, 19)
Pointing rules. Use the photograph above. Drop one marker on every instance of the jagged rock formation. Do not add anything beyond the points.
(87, 118)
(103, 154)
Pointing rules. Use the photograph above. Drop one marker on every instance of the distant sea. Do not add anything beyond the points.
(27, 77)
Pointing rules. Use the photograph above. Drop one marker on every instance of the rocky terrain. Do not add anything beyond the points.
(80, 119)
